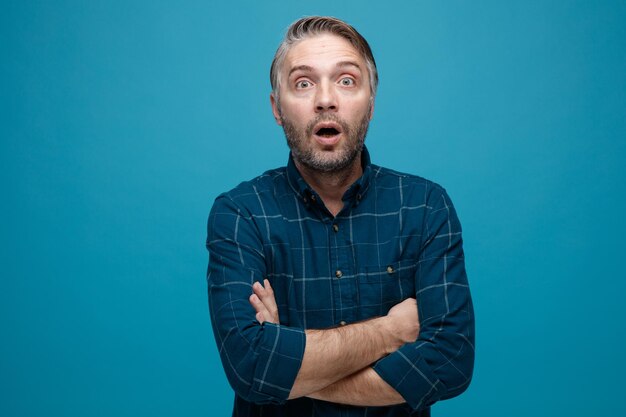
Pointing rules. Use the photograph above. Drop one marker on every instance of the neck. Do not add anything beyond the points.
(331, 186)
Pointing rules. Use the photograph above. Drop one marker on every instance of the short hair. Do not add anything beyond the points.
(316, 25)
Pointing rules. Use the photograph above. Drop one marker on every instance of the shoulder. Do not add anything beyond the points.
(415, 192)
(267, 183)
(411, 185)
(245, 202)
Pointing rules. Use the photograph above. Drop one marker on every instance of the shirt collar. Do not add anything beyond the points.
(356, 192)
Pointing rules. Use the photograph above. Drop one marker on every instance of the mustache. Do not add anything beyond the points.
(327, 117)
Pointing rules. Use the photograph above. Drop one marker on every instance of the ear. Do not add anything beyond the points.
(274, 102)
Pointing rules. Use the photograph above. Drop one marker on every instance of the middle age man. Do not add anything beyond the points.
(315, 268)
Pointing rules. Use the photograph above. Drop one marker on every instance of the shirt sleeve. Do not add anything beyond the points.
(261, 361)
(440, 363)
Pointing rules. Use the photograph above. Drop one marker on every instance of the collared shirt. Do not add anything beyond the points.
(396, 237)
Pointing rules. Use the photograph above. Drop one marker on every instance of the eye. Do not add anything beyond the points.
(303, 84)
(347, 81)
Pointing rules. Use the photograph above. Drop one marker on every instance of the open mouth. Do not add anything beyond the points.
(327, 132)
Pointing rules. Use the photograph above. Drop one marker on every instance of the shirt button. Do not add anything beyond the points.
(306, 200)
(335, 228)
(342, 323)
(338, 273)
(312, 197)
(390, 269)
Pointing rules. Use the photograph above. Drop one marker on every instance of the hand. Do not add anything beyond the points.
(404, 321)
(264, 302)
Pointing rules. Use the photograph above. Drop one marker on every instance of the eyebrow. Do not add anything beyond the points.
(299, 68)
(309, 68)
(348, 64)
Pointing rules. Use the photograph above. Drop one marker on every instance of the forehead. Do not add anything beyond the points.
(320, 50)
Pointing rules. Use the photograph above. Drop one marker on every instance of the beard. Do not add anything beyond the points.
(303, 150)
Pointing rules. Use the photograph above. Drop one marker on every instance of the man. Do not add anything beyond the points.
(318, 270)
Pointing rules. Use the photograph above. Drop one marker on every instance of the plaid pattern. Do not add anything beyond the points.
(397, 237)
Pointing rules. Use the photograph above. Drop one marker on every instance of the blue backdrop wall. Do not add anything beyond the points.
(121, 121)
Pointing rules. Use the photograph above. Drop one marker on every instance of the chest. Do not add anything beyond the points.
(329, 271)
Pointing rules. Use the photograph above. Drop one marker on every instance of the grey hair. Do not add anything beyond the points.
(316, 25)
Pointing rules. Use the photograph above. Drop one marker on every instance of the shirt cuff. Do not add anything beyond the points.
(411, 377)
(280, 358)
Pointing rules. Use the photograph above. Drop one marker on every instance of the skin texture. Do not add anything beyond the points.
(363, 388)
(323, 78)
(336, 361)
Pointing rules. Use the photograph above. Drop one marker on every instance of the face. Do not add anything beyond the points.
(324, 103)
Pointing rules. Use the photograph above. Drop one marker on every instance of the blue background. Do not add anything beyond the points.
(121, 121)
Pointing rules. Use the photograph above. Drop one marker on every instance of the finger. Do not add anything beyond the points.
(268, 297)
(266, 294)
(261, 312)
(258, 289)
(256, 303)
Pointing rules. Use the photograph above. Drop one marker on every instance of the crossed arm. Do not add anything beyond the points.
(348, 364)
(336, 362)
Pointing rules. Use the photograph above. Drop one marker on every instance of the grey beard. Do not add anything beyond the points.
(306, 155)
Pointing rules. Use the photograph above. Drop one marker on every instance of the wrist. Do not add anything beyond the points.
(385, 327)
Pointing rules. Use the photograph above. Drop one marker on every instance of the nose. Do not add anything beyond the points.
(325, 99)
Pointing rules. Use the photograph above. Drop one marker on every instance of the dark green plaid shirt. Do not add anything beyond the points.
(396, 237)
